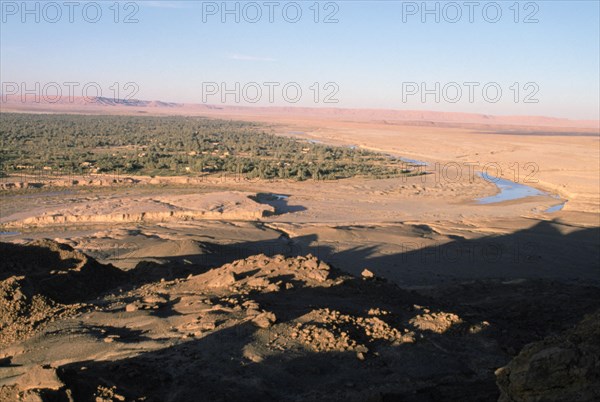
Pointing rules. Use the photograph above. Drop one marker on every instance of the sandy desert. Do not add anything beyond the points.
(440, 286)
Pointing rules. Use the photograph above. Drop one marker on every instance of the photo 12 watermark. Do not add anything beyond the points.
(452, 12)
(253, 12)
(53, 12)
(270, 92)
(469, 252)
(492, 172)
(469, 92)
(67, 92)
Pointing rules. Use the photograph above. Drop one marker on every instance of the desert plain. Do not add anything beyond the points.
(223, 288)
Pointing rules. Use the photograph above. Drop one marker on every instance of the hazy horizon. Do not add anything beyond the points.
(530, 59)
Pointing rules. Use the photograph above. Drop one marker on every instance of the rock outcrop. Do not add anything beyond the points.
(559, 368)
(44, 281)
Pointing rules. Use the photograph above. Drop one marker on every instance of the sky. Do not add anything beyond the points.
(503, 58)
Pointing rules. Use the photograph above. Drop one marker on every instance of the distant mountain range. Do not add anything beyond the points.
(130, 102)
(99, 105)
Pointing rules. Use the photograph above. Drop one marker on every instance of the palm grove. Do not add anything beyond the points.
(161, 146)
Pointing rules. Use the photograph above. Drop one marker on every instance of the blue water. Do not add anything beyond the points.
(414, 162)
(9, 233)
(508, 190)
(555, 208)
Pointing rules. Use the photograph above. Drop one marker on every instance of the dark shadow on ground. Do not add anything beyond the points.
(524, 286)
(57, 271)
(280, 202)
(216, 367)
(541, 251)
(556, 276)
(216, 255)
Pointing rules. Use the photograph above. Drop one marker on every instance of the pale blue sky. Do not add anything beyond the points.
(370, 53)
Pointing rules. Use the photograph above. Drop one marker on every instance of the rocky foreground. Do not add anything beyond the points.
(276, 328)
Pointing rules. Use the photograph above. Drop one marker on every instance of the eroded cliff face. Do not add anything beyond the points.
(221, 205)
(559, 368)
(154, 217)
